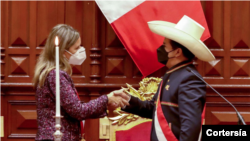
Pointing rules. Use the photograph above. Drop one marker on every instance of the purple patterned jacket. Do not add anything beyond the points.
(72, 110)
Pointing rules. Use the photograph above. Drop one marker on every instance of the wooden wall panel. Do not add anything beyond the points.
(239, 42)
(213, 11)
(19, 24)
(237, 94)
(2, 62)
(240, 33)
(229, 42)
(2, 48)
(19, 65)
(74, 17)
(229, 73)
(19, 110)
(26, 25)
(214, 70)
(117, 64)
(22, 119)
(46, 20)
(1, 23)
(18, 42)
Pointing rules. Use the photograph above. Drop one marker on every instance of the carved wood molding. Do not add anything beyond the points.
(26, 89)
(2, 63)
(111, 85)
(225, 104)
(22, 102)
(229, 117)
(87, 85)
(95, 64)
(226, 90)
(21, 119)
(23, 136)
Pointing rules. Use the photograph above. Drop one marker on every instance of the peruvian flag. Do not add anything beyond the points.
(129, 21)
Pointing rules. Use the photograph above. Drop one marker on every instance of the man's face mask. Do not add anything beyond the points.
(163, 55)
(77, 58)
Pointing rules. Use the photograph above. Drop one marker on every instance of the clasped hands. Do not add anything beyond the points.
(117, 99)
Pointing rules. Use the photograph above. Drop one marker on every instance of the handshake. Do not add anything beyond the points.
(117, 99)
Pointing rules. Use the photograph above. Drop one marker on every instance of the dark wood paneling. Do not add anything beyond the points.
(4, 6)
(22, 118)
(117, 65)
(1, 23)
(18, 46)
(19, 24)
(220, 112)
(74, 16)
(26, 25)
(240, 33)
(214, 70)
(47, 16)
(19, 111)
(239, 50)
(229, 42)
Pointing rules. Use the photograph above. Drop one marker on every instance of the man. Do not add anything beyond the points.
(177, 107)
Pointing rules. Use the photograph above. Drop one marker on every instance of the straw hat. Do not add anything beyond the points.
(186, 32)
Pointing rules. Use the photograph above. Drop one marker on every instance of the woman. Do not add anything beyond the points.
(72, 110)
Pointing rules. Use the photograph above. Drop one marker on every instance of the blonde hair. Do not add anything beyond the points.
(67, 37)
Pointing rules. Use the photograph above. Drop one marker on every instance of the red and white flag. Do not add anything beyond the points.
(129, 21)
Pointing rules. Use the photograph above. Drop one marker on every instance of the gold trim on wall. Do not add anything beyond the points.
(2, 127)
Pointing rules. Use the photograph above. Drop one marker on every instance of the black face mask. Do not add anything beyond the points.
(163, 55)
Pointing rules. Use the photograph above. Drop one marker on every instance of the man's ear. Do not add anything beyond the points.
(178, 52)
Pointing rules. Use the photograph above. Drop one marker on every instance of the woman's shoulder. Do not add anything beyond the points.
(61, 73)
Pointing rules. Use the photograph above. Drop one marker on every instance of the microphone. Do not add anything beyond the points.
(240, 118)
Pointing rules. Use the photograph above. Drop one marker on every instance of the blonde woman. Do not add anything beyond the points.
(72, 110)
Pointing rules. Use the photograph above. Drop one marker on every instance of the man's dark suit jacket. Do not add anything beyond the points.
(182, 99)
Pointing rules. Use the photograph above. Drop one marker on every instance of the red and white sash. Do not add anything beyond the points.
(163, 132)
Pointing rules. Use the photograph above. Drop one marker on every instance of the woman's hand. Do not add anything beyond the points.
(119, 99)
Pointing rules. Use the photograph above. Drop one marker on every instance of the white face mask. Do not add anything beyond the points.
(78, 58)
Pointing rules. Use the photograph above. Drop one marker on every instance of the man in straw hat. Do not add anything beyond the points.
(177, 109)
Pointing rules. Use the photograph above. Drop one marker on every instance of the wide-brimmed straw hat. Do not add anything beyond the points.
(186, 32)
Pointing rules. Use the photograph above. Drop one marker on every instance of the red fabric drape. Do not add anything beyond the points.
(139, 132)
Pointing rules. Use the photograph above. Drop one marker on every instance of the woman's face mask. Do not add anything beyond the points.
(79, 57)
